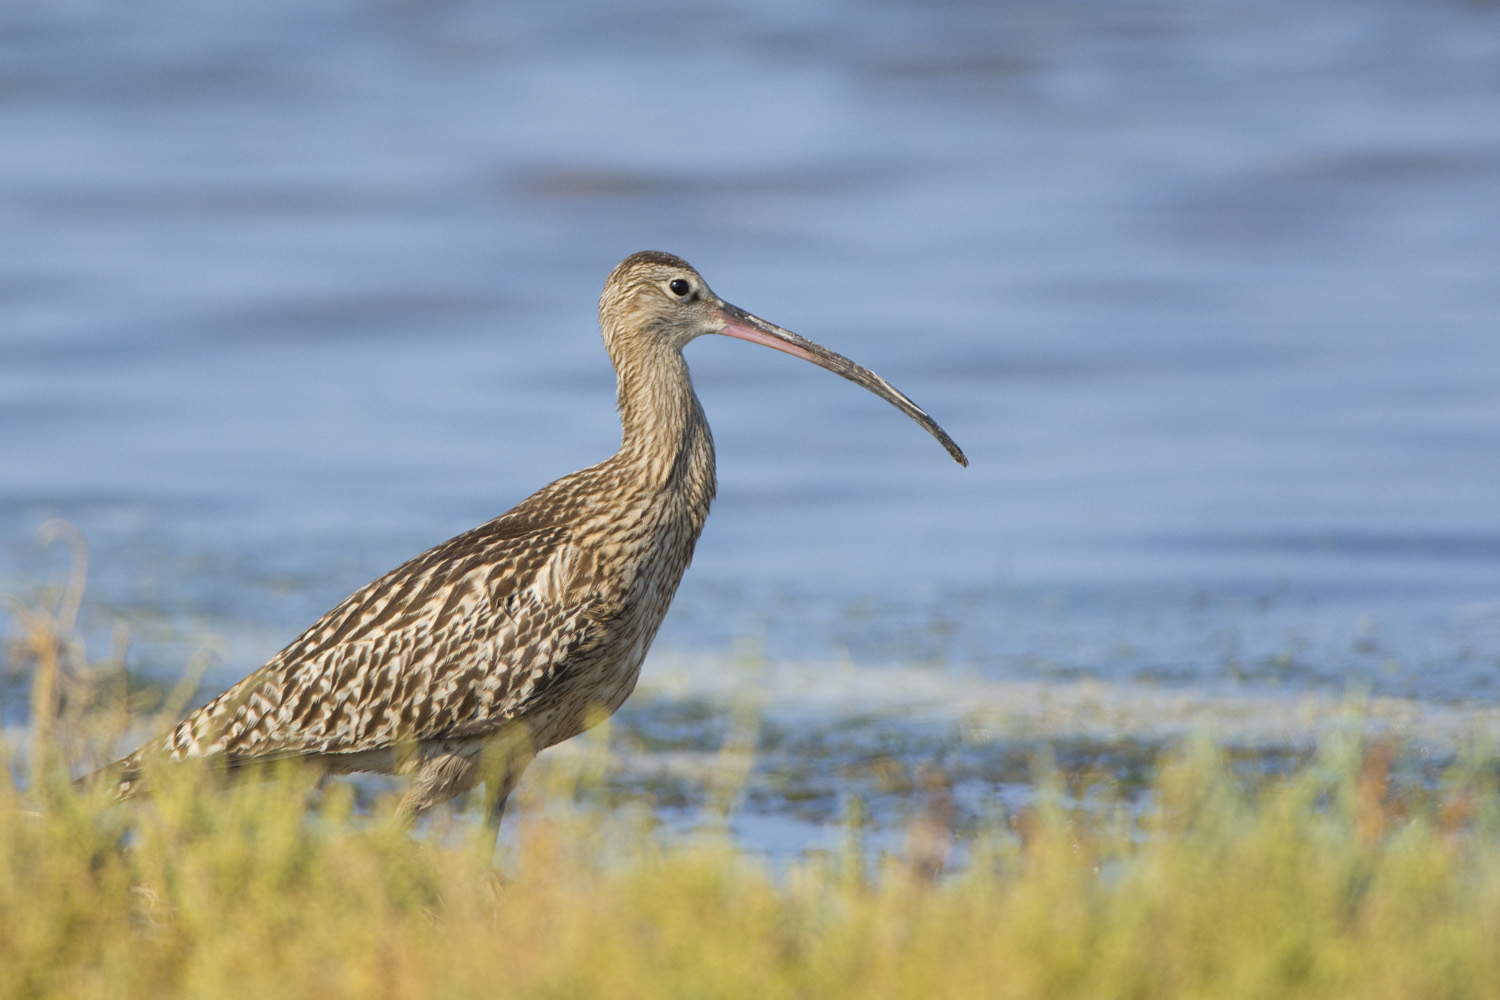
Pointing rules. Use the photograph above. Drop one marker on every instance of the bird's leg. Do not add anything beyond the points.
(505, 758)
(438, 773)
(498, 787)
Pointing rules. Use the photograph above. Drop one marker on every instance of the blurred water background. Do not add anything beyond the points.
(1209, 292)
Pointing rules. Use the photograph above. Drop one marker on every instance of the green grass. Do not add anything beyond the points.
(1338, 879)
(1320, 885)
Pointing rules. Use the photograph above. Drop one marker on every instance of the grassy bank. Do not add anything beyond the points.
(1349, 873)
(1331, 882)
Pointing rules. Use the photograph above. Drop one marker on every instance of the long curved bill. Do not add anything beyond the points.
(747, 326)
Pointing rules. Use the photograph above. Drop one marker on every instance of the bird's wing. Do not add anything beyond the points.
(451, 643)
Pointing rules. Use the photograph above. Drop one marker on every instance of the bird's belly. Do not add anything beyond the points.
(602, 674)
(595, 688)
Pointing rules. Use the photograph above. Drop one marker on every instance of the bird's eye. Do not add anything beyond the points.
(679, 287)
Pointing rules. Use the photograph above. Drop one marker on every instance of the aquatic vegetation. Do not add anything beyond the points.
(1342, 874)
(1327, 882)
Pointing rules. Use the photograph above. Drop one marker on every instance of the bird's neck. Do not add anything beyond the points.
(666, 442)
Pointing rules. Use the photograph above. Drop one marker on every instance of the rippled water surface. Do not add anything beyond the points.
(1210, 294)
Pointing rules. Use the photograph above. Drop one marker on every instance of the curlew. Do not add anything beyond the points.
(462, 664)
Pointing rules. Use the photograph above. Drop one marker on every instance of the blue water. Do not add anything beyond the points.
(1209, 293)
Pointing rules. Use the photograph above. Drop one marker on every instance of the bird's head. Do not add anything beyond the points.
(653, 300)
